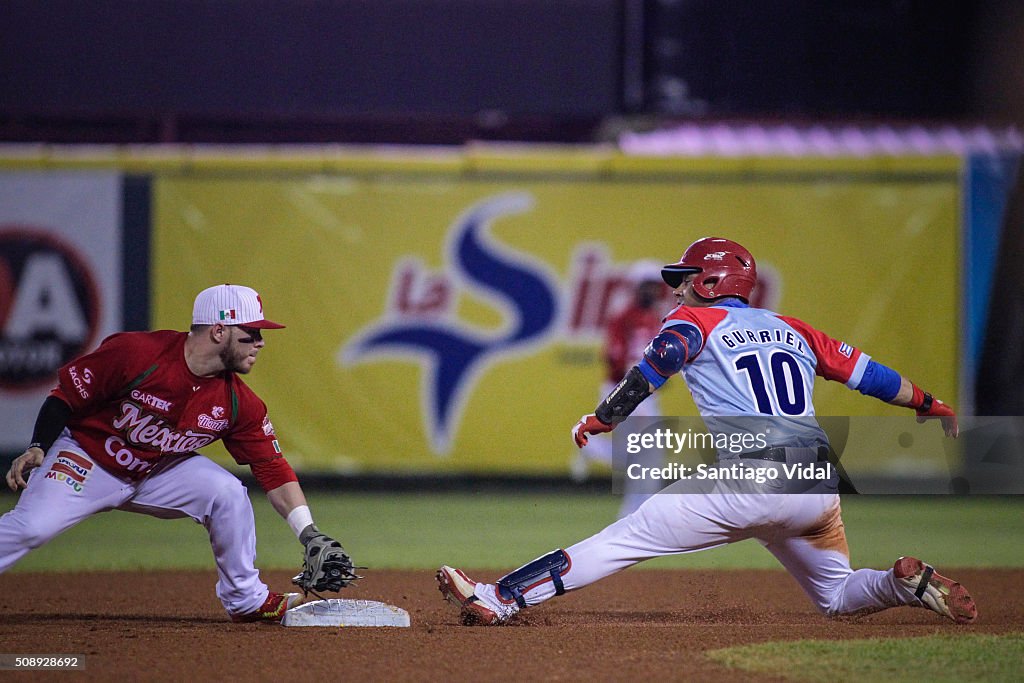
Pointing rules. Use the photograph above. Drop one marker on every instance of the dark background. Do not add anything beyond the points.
(447, 71)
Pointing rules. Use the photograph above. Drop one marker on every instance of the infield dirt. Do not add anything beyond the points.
(636, 625)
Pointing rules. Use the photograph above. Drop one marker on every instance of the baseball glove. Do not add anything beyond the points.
(325, 565)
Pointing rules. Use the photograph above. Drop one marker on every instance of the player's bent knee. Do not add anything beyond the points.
(835, 605)
(231, 493)
(227, 484)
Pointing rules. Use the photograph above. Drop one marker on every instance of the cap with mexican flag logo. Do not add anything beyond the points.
(230, 305)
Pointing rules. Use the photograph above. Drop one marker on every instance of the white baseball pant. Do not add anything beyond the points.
(804, 532)
(187, 486)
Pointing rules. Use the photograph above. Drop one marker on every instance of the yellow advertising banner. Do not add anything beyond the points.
(451, 319)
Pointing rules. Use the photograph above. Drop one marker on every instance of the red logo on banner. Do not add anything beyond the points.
(49, 306)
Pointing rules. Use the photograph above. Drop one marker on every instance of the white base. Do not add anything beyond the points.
(338, 612)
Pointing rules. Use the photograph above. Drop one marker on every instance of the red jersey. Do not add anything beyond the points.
(134, 400)
(629, 333)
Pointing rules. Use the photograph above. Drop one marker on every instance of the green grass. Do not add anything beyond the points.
(422, 531)
(966, 657)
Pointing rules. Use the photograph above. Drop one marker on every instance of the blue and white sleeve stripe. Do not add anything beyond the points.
(858, 371)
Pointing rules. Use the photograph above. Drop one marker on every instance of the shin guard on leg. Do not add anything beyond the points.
(547, 567)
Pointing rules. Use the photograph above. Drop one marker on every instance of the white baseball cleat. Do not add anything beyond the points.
(938, 593)
(460, 590)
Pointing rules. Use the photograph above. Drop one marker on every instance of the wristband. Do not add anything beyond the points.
(299, 519)
(36, 444)
(917, 398)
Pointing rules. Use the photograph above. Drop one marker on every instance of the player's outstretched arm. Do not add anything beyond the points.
(622, 401)
(886, 384)
(926, 406)
(325, 564)
(840, 362)
(663, 357)
(289, 501)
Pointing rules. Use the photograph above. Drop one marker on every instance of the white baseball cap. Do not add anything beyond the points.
(230, 305)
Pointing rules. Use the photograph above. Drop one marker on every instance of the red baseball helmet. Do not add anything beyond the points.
(725, 267)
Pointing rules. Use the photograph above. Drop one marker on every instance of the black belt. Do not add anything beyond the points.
(778, 454)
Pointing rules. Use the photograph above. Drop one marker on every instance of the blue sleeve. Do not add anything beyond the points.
(651, 374)
(879, 381)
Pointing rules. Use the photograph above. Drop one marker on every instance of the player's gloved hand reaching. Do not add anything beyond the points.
(589, 424)
(932, 407)
(325, 565)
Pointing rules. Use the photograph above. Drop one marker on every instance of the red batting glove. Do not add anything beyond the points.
(930, 407)
(589, 424)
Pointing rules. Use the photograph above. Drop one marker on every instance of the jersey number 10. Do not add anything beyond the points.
(786, 382)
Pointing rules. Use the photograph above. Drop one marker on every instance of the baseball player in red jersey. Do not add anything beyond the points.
(626, 336)
(120, 431)
(737, 361)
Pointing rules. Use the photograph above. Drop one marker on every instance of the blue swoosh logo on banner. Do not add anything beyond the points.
(454, 354)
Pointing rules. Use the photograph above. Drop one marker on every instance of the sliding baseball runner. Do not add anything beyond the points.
(736, 361)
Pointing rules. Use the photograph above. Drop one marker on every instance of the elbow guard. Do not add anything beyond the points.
(624, 399)
(667, 353)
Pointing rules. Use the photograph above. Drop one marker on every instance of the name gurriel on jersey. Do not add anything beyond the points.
(738, 338)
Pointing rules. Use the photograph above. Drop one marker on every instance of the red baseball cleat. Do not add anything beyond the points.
(942, 595)
(272, 610)
(460, 590)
